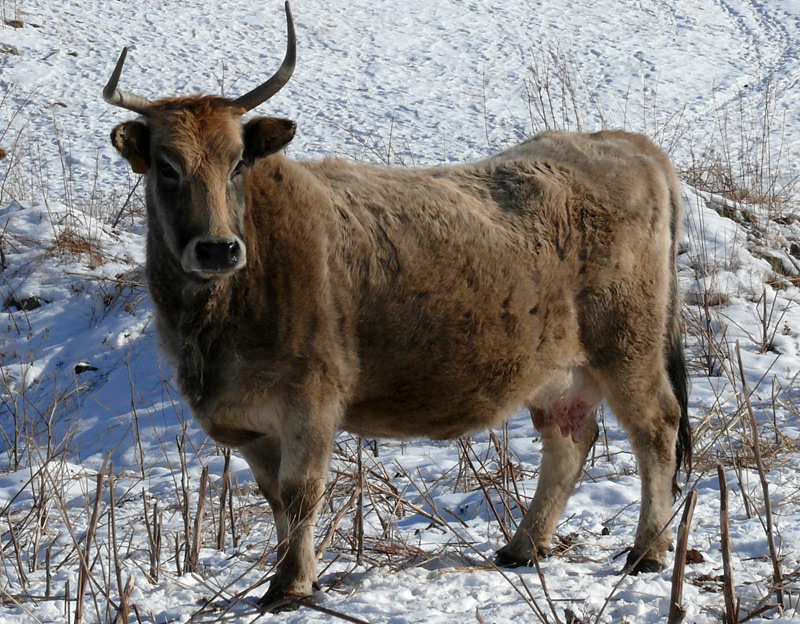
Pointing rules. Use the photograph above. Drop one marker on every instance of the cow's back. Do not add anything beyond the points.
(625, 166)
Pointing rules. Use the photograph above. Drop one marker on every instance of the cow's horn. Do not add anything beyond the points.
(114, 96)
(263, 92)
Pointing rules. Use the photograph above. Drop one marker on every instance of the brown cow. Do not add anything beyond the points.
(296, 299)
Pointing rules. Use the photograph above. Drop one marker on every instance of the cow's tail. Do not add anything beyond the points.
(676, 362)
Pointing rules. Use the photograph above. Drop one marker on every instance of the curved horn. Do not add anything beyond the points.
(263, 92)
(114, 96)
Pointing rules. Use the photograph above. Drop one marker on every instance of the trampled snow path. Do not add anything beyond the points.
(412, 83)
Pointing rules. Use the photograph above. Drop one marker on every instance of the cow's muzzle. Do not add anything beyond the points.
(210, 257)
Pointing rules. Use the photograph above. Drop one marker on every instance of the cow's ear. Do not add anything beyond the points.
(264, 136)
(132, 140)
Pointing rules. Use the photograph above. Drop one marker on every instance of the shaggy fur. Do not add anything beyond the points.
(417, 302)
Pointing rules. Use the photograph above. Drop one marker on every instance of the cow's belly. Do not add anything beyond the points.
(463, 388)
(450, 419)
(561, 397)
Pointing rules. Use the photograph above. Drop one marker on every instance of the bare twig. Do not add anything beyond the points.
(17, 552)
(124, 600)
(486, 495)
(83, 573)
(777, 575)
(226, 479)
(731, 606)
(359, 519)
(544, 586)
(196, 541)
(676, 610)
(343, 510)
(122, 613)
(153, 527)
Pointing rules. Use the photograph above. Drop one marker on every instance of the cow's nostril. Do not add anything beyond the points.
(233, 253)
(217, 255)
(203, 254)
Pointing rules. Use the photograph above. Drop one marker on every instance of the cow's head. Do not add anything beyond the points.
(192, 152)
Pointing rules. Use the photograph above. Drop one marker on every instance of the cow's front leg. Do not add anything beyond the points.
(263, 455)
(306, 441)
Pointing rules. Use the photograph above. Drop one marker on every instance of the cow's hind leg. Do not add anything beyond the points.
(565, 447)
(649, 411)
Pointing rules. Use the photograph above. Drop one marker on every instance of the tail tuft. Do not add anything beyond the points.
(676, 362)
(676, 369)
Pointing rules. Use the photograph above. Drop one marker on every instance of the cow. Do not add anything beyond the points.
(296, 299)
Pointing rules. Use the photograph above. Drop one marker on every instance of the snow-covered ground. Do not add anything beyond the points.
(399, 83)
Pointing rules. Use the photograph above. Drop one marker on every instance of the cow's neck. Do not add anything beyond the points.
(193, 315)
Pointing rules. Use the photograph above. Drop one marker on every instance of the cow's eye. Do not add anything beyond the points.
(237, 170)
(167, 171)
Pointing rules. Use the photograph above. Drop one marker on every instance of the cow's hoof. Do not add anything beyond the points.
(277, 600)
(646, 565)
(277, 606)
(505, 558)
